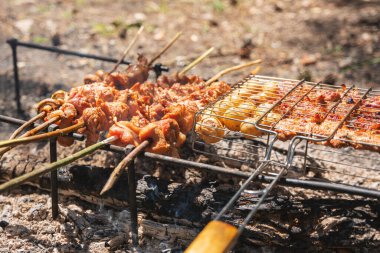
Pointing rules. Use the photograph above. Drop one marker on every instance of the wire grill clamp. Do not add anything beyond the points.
(211, 136)
(274, 101)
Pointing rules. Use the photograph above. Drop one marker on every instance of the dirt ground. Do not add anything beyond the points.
(332, 41)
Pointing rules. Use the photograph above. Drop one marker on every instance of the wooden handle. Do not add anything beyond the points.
(216, 237)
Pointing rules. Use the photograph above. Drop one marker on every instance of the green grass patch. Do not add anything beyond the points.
(104, 29)
(218, 5)
(38, 39)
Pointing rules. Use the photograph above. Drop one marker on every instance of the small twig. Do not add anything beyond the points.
(165, 48)
(44, 136)
(42, 126)
(195, 62)
(31, 132)
(228, 70)
(127, 49)
(27, 124)
(53, 166)
(122, 165)
(256, 70)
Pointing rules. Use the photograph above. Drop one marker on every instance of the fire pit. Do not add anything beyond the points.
(271, 158)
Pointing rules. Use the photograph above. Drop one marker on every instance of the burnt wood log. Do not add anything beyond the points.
(178, 210)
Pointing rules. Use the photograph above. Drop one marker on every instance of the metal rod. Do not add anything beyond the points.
(232, 200)
(294, 105)
(63, 51)
(273, 106)
(291, 182)
(53, 174)
(250, 215)
(129, 158)
(305, 157)
(132, 202)
(13, 44)
(261, 200)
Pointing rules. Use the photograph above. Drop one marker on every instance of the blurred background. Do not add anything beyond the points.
(332, 41)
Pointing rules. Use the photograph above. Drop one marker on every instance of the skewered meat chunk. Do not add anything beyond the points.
(126, 132)
(66, 113)
(134, 73)
(115, 111)
(183, 114)
(95, 121)
(168, 81)
(163, 134)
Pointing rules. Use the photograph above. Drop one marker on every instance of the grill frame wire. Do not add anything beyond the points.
(291, 148)
(353, 110)
(294, 143)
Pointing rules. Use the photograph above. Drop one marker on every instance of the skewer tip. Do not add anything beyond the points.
(123, 165)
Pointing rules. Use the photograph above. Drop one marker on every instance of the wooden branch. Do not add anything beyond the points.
(171, 42)
(53, 166)
(231, 69)
(122, 165)
(44, 136)
(30, 133)
(127, 50)
(27, 124)
(195, 62)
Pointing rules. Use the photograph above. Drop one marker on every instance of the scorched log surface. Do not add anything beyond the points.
(285, 220)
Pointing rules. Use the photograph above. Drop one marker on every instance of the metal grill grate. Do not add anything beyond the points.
(245, 124)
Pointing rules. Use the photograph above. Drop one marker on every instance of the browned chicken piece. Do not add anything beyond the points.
(115, 111)
(169, 80)
(184, 114)
(164, 136)
(95, 121)
(134, 73)
(67, 114)
(127, 133)
(88, 95)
